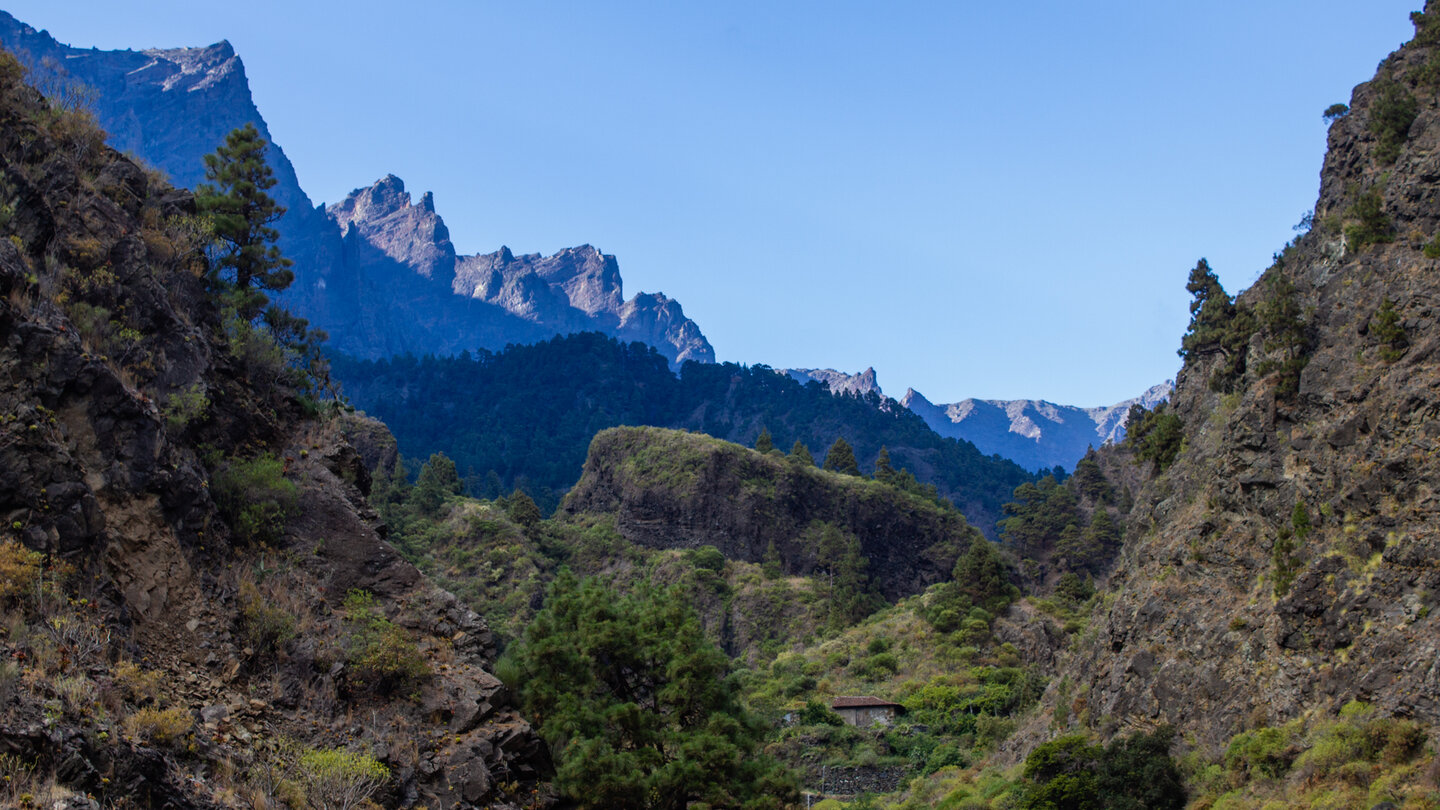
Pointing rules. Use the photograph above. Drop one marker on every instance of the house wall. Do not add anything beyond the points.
(867, 715)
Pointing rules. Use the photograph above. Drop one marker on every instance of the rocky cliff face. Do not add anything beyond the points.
(1286, 561)
(488, 301)
(354, 260)
(116, 369)
(673, 489)
(1037, 435)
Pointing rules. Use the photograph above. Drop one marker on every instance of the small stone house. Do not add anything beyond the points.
(866, 711)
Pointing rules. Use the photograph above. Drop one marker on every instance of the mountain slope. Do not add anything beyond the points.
(192, 576)
(378, 288)
(1285, 562)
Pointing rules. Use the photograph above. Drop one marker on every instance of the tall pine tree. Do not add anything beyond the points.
(841, 458)
(242, 214)
(1210, 311)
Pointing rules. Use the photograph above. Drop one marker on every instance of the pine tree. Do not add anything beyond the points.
(840, 566)
(438, 480)
(242, 215)
(884, 472)
(841, 458)
(763, 442)
(1210, 311)
(636, 704)
(982, 576)
(1284, 329)
(800, 454)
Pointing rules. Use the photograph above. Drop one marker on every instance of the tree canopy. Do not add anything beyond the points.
(841, 458)
(637, 705)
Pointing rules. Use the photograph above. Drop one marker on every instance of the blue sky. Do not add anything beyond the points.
(997, 200)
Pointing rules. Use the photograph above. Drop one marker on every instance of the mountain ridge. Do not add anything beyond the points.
(172, 106)
(1037, 434)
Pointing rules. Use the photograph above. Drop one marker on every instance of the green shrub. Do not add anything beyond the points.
(1074, 589)
(1368, 223)
(20, 570)
(340, 779)
(263, 626)
(1387, 329)
(1391, 114)
(185, 407)
(162, 727)
(1155, 435)
(381, 655)
(1266, 752)
(706, 558)
(1335, 112)
(816, 713)
(1427, 27)
(255, 498)
(1133, 773)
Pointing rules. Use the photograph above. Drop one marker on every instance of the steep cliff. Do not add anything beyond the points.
(1285, 562)
(195, 589)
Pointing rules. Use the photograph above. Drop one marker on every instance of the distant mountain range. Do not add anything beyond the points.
(379, 273)
(1036, 434)
(376, 271)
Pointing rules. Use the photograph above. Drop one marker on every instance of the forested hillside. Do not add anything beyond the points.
(525, 416)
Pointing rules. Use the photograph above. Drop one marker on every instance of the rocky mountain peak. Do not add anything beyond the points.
(838, 382)
(413, 235)
(1035, 433)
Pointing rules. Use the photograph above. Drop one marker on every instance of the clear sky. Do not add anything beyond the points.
(979, 199)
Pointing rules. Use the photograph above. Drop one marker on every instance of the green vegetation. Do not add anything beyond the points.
(1335, 112)
(1218, 328)
(800, 454)
(841, 458)
(1131, 773)
(242, 213)
(337, 779)
(1358, 759)
(1210, 312)
(523, 418)
(1286, 337)
(1427, 25)
(254, 497)
(1047, 523)
(1156, 435)
(1368, 224)
(1389, 332)
(381, 655)
(840, 569)
(185, 407)
(1283, 557)
(637, 706)
(1391, 114)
